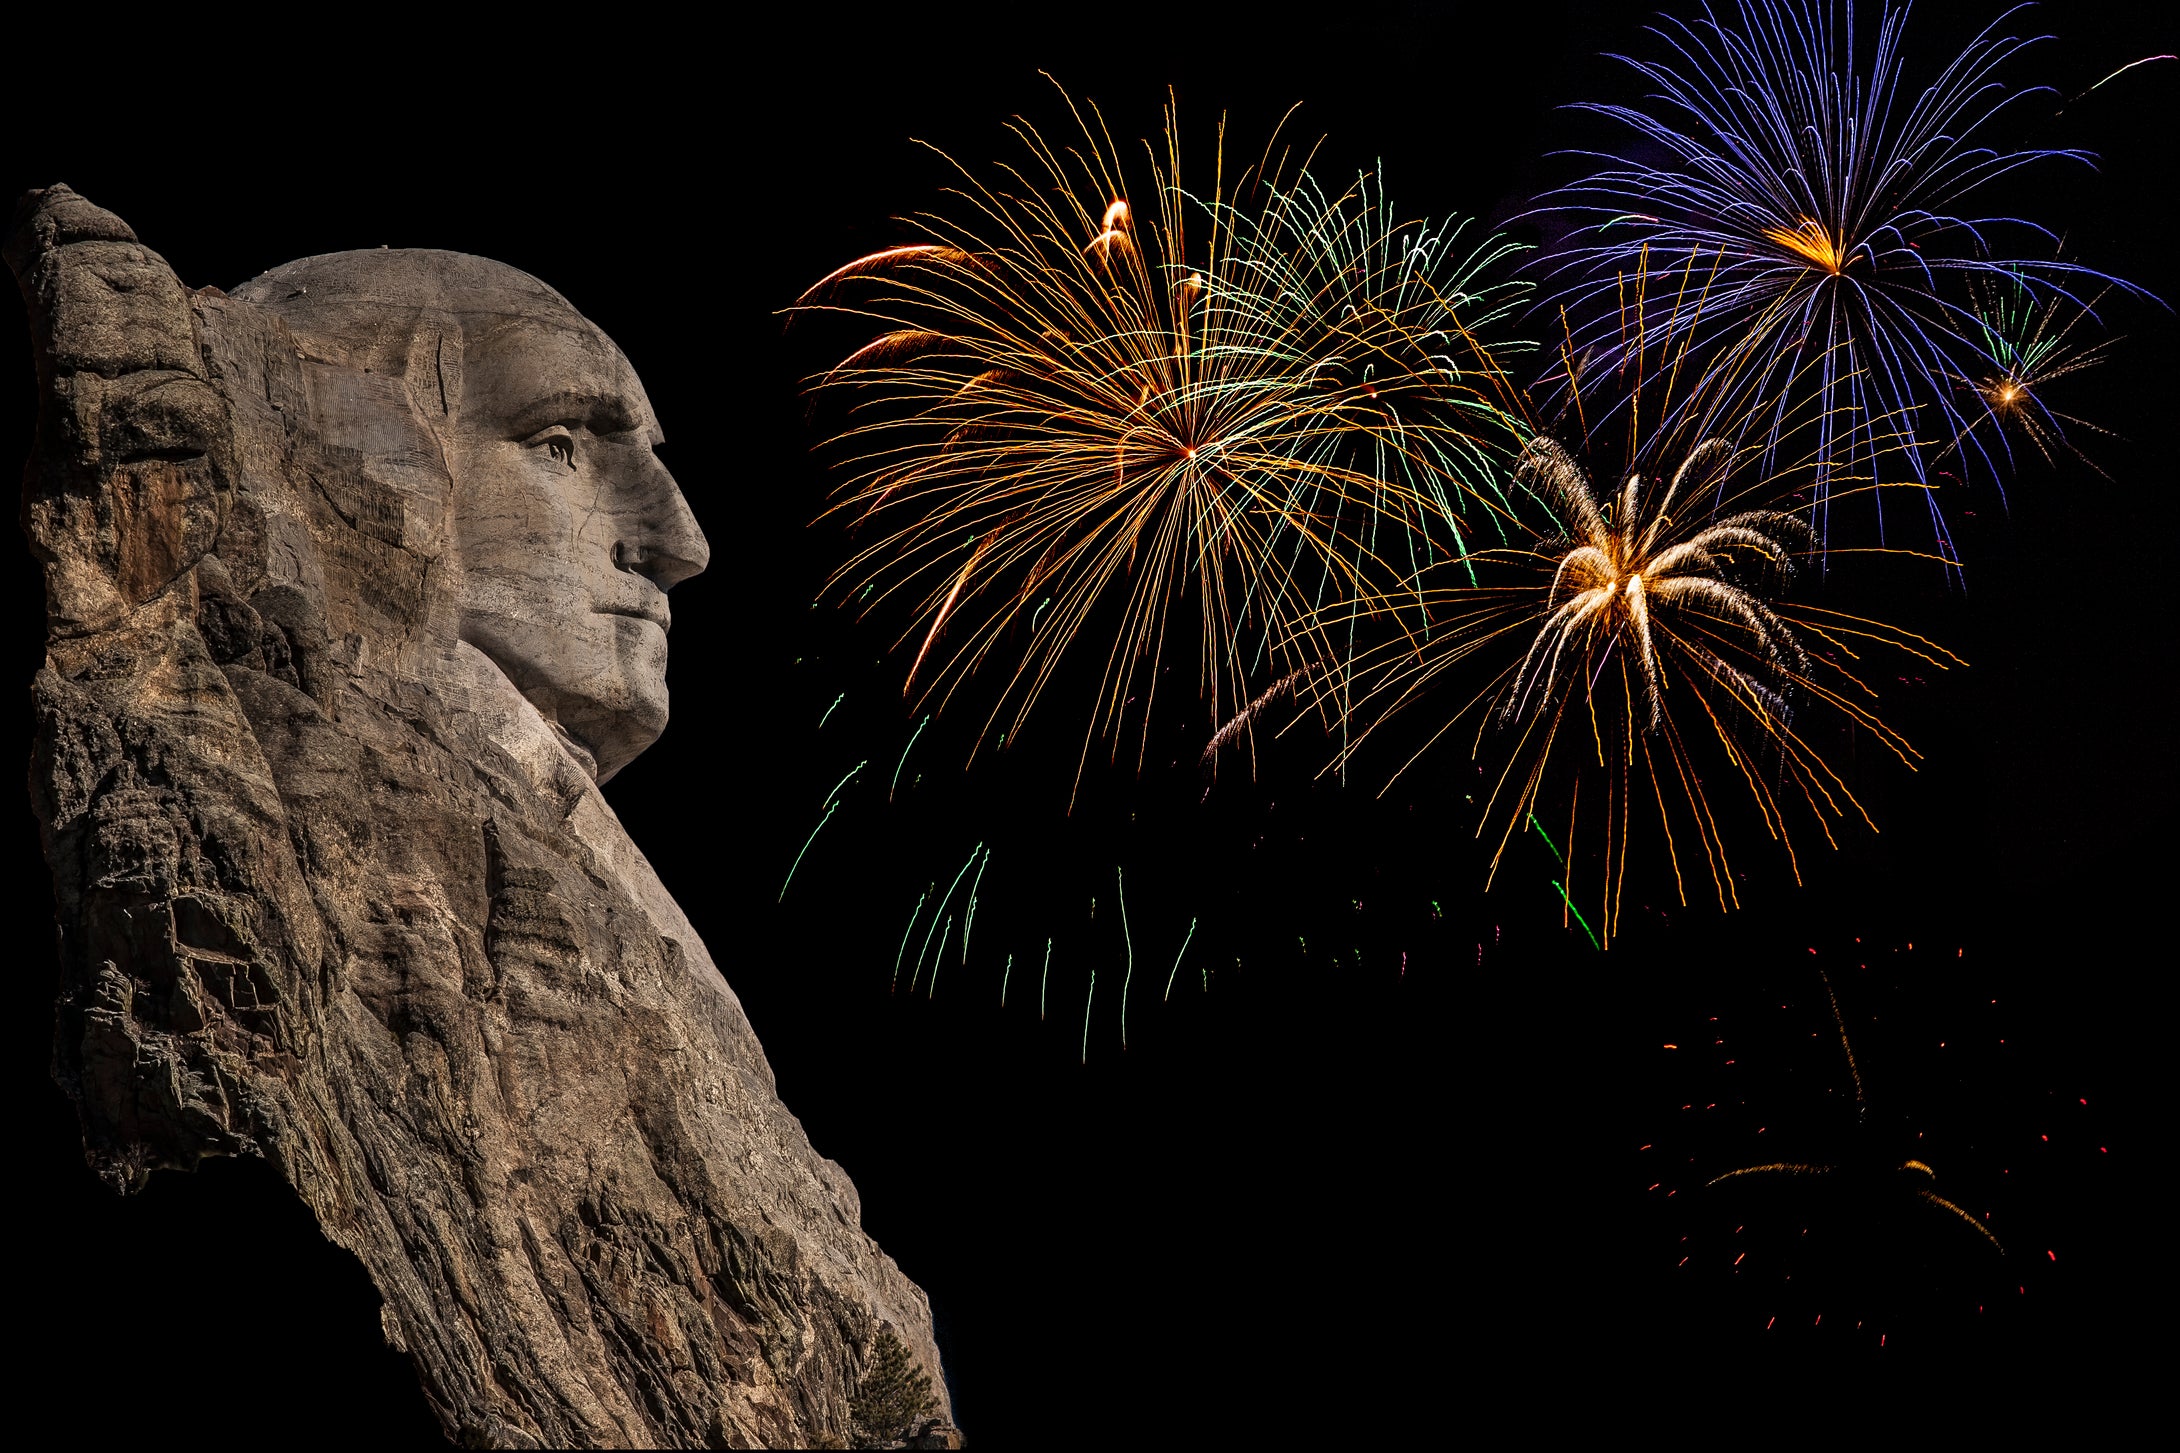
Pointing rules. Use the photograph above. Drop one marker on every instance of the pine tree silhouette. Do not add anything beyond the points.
(892, 1395)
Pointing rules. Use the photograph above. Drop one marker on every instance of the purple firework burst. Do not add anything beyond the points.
(1795, 223)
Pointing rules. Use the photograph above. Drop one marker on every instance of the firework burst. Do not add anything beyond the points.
(1630, 563)
(1645, 640)
(2028, 345)
(1098, 402)
(1872, 1172)
(1822, 206)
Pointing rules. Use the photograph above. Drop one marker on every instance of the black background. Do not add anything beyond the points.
(1375, 1167)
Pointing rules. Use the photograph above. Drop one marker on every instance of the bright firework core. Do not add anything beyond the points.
(1811, 242)
(1599, 598)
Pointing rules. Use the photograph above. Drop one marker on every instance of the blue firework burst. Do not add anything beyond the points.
(1798, 225)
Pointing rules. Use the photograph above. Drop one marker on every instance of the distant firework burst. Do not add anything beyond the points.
(1102, 407)
(1648, 651)
(1822, 207)
(2028, 345)
(1870, 1174)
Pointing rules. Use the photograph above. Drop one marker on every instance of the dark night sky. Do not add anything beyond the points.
(1384, 1167)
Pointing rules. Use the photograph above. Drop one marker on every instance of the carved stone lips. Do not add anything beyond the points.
(650, 607)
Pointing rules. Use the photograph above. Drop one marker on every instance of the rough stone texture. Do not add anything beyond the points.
(335, 653)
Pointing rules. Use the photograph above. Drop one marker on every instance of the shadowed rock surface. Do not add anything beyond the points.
(355, 586)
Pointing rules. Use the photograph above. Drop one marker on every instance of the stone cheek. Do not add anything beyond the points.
(330, 892)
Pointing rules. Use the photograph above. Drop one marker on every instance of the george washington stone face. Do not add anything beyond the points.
(356, 586)
(565, 529)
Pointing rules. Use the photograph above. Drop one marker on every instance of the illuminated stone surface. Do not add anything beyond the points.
(355, 583)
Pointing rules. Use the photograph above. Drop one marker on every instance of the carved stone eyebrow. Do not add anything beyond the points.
(601, 413)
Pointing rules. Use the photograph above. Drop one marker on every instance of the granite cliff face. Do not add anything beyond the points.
(355, 586)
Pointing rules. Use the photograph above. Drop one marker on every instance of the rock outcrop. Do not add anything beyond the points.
(355, 587)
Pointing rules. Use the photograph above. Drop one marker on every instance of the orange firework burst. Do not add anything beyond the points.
(1876, 1173)
(1652, 633)
(1098, 400)
(1645, 643)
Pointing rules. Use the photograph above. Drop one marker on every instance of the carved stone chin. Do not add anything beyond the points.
(356, 588)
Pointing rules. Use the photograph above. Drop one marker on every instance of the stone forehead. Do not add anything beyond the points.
(399, 279)
(375, 310)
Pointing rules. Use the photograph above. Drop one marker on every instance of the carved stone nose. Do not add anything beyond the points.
(668, 555)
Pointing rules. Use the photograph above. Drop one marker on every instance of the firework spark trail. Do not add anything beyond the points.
(1241, 719)
(1862, 1107)
(1004, 975)
(1177, 963)
(903, 950)
(2123, 70)
(971, 922)
(831, 804)
(897, 766)
(888, 257)
(1578, 918)
(1044, 982)
(1818, 201)
(926, 948)
(1780, 1168)
(1087, 1000)
(844, 781)
(931, 990)
(946, 608)
(1933, 1198)
(828, 817)
(1121, 407)
(1129, 940)
(831, 709)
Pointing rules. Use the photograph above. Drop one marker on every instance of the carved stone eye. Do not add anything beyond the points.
(562, 450)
